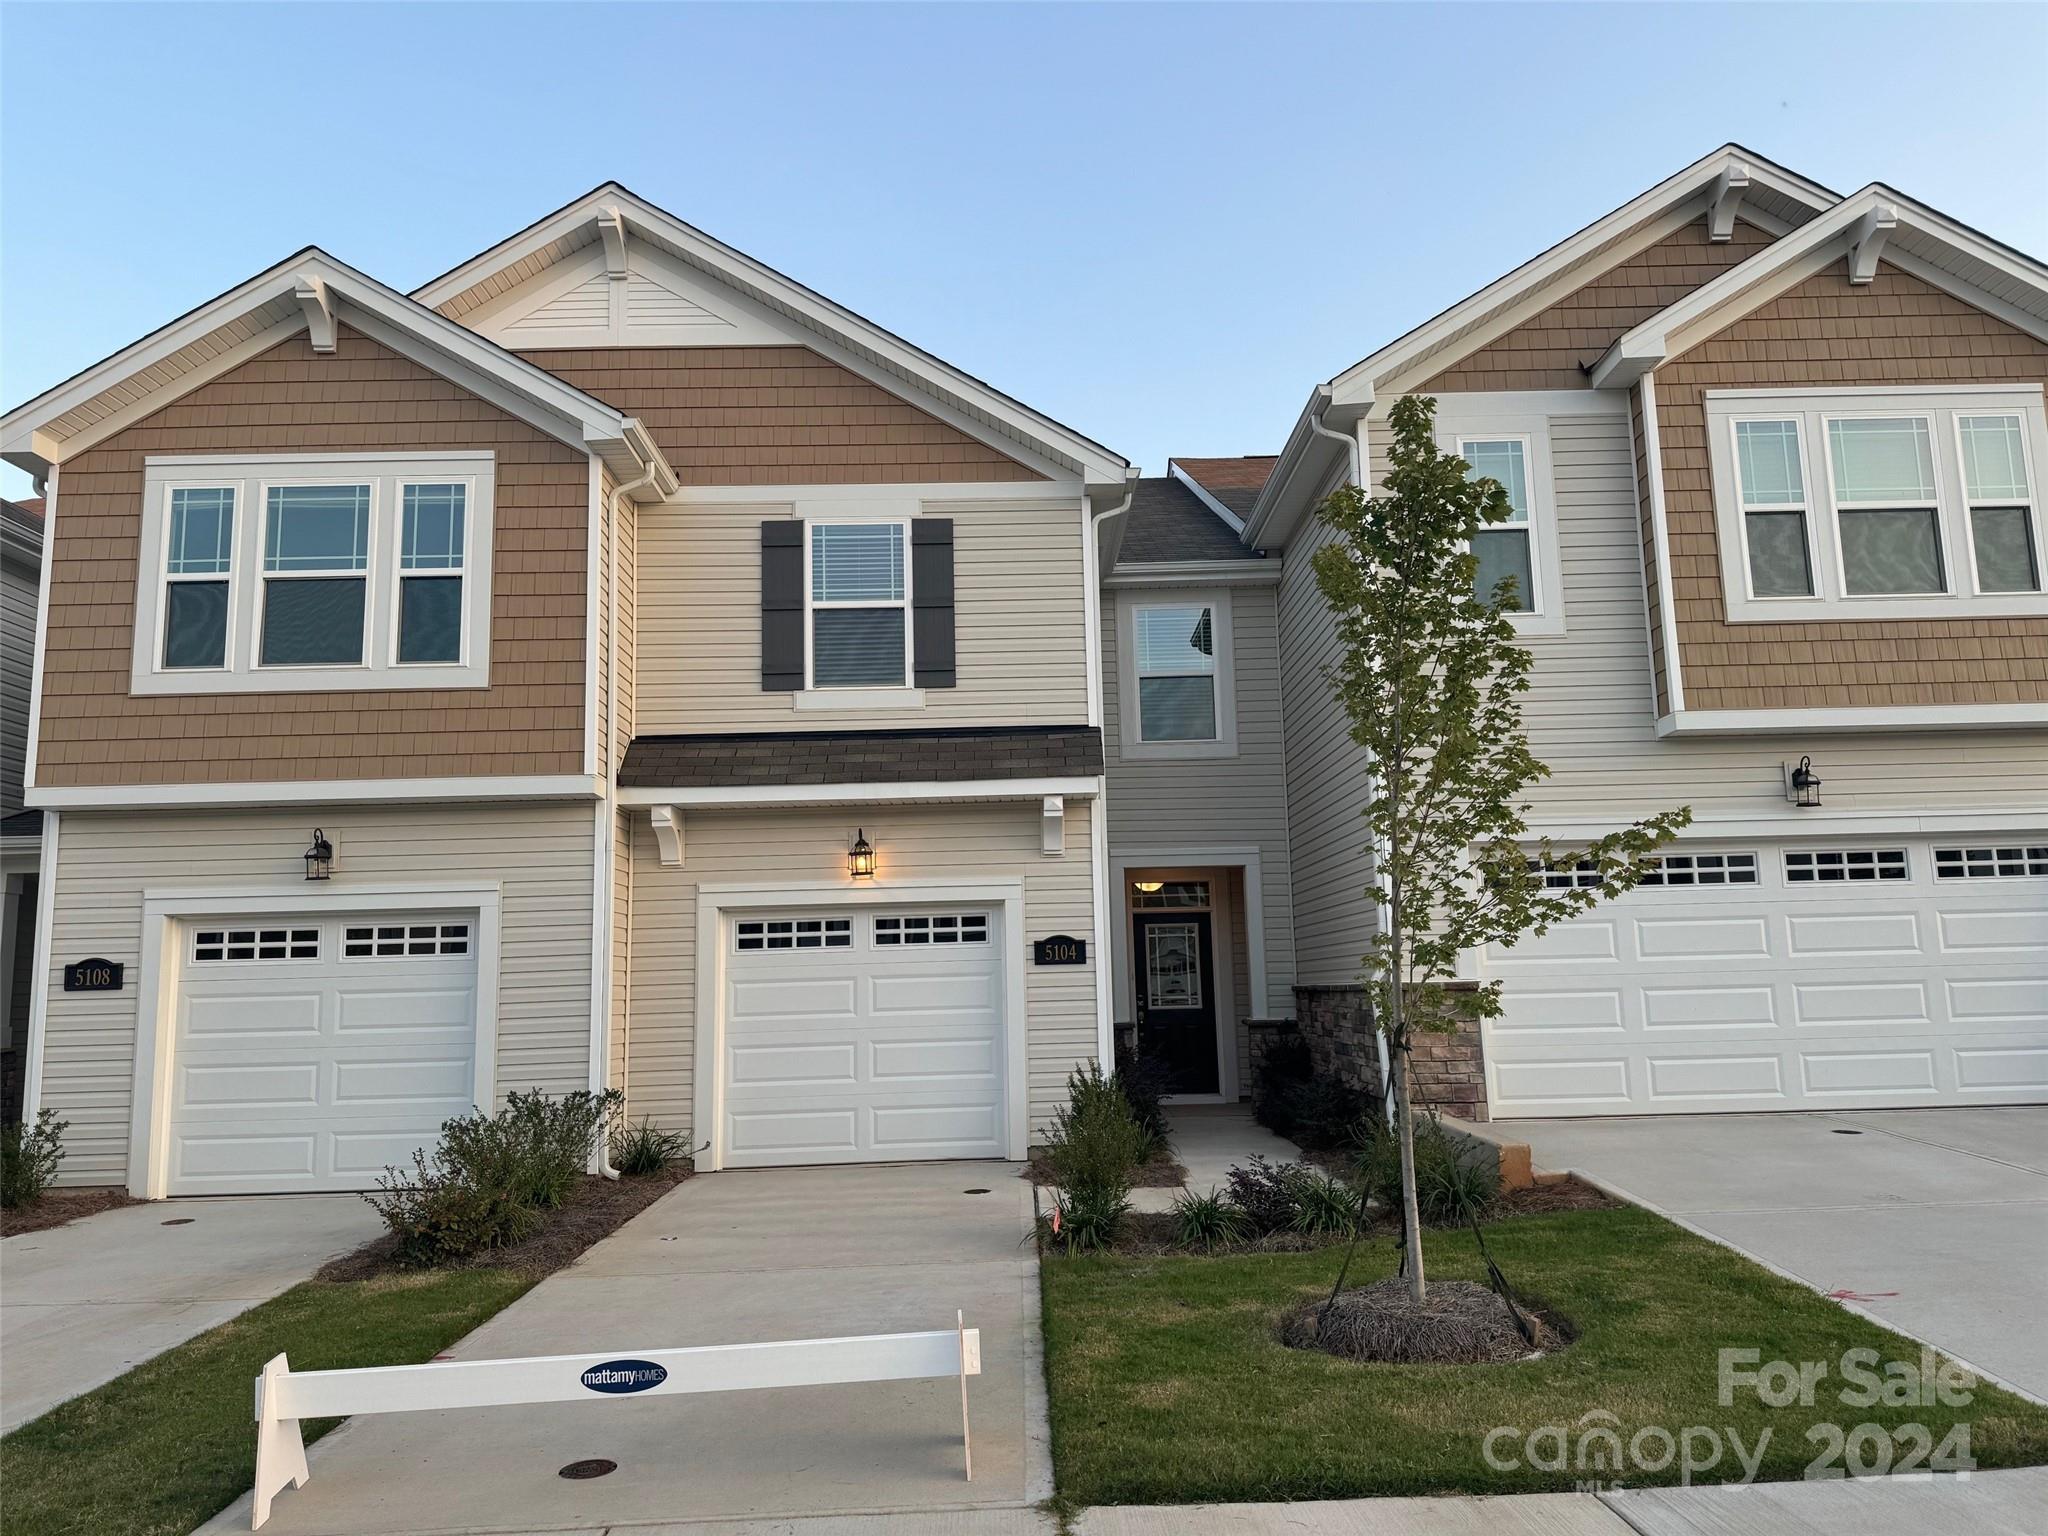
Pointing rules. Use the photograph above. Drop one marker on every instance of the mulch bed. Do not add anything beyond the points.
(1568, 1194)
(61, 1206)
(595, 1209)
(1458, 1323)
(1163, 1172)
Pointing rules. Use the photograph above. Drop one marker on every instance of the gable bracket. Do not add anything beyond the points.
(1724, 203)
(311, 293)
(612, 226)
(1866, 241)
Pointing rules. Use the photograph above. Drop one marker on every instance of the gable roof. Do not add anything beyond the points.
(311, 290)
(1168, 521)
(816, 321)
(1230, 484)
(1877, 223)
(1730, 181)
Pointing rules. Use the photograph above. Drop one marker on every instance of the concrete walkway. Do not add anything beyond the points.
(732, 1258)
(1210, 1140)
(1930, 1221)
(82, 1303)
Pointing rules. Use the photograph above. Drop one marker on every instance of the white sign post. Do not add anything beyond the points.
(283, 1396)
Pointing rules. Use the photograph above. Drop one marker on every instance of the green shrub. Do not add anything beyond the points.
(29, 1156)
(534, 1149)
(639, 1150)
(1267, 1195)
(1452, 1184)
(1324, 1206)
(439, 1218)
(1096, 1142)
(1315, 1113)
(1086, 1219)
(1206, 1221)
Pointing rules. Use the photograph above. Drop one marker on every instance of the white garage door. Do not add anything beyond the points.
(869, 1036)
(1803, 976)
(311, 1054)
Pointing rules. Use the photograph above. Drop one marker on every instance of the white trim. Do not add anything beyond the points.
(42, 629)
(157, 987)
(1885, 717)
(859, 698)
(704, 797)
(592, 557)
(1794, 825)
(604, 836)
(39, 983)
(1197, 573)
(1131, 743)
(938, 497)
(830, 327)
(1812, 410)
(1667, 604)
(136, 797)
(716, 900)
(251, 478)
(1207, 498)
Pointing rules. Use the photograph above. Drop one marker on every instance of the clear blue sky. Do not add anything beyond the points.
(1162, 224)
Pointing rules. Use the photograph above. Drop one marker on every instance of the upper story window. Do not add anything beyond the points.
(859, 606)
(299, 572)
(1174, 676)
(1508, 441)
(1504, 550)
(1879, 503)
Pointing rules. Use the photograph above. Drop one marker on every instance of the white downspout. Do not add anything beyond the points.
(1098, 814)
(607, 831)
(1383, 914)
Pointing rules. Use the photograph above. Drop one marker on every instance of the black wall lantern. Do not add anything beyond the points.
(320, 857)
(1802, 784)
(860, 858)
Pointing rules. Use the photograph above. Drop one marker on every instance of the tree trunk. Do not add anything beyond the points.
(1411, 1205)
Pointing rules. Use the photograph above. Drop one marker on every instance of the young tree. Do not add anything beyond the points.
(1430, 674)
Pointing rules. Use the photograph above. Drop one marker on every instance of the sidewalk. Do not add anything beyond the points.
(1209, 1140)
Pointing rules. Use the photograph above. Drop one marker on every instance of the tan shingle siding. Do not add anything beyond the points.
(777, 416)
(364, 399)
(1552, 349)
(1824, 332)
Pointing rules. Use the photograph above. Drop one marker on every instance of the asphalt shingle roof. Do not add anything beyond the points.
(862, 757)
(1167, 521)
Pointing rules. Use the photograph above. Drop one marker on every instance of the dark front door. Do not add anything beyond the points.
(1176, 976)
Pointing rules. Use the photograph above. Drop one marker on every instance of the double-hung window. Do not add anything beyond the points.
(293, 572)
(859, 605)
(1504, 550)
(1175, 678)
(1879, 503)
(2004, 514)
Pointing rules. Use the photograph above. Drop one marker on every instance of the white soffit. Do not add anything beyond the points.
(730, 286)
(312, 287)
(1874, 225)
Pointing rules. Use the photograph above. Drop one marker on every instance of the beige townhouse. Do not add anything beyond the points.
(1776, 456)
(613, 664)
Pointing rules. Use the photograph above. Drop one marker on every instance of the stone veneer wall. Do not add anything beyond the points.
(1450, 1071)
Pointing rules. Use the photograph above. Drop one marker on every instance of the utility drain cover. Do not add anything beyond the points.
(180, 1221)
(973, 1191)
(597, 1466)
(1840, 1132)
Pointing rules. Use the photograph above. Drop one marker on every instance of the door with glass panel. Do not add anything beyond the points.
(1175, 973)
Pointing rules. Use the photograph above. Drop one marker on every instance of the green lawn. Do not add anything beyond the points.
(1169, 1386)
(170, 1444)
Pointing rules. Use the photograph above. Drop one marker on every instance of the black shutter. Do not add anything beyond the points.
(931, 600)
(782, 605)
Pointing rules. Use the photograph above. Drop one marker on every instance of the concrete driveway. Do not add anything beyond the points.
(1932, 1221)
(732, 1258)
(80, 1304)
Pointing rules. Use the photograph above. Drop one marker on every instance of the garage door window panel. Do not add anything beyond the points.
(1693, 870)
(944, 928)
(2007, 861)
(1826, 865)
(235, 944)
(388, 941)
(792, 933)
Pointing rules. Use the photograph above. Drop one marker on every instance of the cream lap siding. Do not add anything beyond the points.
(1163, 805)
(1588, 710)
(540, 853)
(964, 843)
(1019, 619)
(17, 663)
(1334, 918)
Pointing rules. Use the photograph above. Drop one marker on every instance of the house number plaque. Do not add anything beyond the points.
(93, 976)
(1060, 949)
